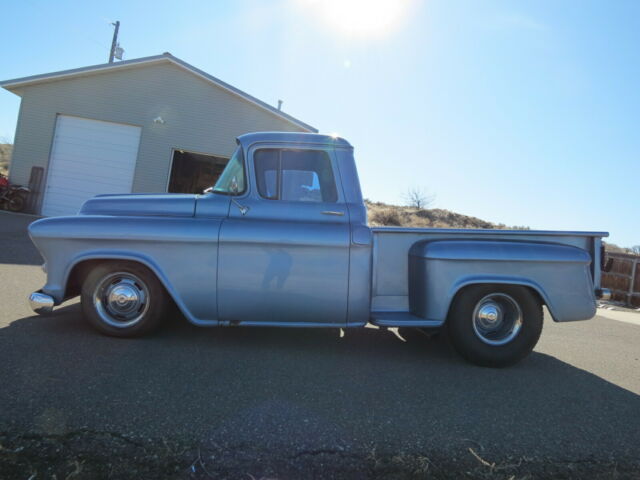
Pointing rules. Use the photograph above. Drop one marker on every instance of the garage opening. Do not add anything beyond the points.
(193, 172)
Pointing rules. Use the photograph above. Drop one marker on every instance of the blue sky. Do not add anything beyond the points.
(524, 113)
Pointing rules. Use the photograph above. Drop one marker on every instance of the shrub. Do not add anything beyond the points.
(386, 217)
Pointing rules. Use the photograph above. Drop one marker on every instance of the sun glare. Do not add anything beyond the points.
(361, 18)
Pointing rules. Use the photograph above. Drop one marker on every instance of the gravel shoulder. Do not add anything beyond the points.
(89, 454)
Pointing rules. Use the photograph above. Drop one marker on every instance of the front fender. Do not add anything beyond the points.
(130, 257)
(560, 274)
(181, 252)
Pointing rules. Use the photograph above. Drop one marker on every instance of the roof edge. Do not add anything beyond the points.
(15, 84)
(24, 81)
(301, 138)
(239, 92)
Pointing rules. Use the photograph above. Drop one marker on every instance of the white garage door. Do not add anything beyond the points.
(88, 157)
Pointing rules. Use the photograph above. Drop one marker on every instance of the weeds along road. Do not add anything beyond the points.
(293, 403)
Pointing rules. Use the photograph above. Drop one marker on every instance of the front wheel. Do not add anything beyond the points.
(123, 299)
(495, 325)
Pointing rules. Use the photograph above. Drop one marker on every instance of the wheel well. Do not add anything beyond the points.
(535, 293)
(81, 269)
(77, 276)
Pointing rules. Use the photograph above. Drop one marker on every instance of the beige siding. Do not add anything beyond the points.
(199, 116)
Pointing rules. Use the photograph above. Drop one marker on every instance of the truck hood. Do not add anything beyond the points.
(171, 205)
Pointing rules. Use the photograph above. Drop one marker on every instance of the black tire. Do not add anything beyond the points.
(16, 203)
(138, 299)
(471, 341)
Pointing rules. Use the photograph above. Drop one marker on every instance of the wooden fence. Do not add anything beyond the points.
(623, 279)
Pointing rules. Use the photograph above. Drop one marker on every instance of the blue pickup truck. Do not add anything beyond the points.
(282, 240)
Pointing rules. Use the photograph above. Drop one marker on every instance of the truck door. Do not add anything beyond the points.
(284, 249)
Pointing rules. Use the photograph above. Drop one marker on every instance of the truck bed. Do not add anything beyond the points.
(390, 286)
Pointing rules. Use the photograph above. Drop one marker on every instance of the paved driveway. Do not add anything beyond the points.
(295, 403)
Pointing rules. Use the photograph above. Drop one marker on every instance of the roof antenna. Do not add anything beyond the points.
(116, 49)
(280, 102)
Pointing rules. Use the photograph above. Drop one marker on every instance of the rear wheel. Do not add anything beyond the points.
(123, 299)
(495, 325)
(16, 203)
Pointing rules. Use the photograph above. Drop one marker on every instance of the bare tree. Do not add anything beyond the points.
(417, 197)
(636, 249)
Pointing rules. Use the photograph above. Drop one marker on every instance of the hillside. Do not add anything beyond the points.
(382, 214)
(5, 157)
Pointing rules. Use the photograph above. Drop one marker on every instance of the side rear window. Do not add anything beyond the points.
(295, 175)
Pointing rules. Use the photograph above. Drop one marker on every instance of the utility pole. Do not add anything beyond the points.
(114, 42)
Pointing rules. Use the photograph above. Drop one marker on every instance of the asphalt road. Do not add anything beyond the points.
(255, 399)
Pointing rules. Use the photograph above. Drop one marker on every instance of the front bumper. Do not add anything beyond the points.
(41, 303)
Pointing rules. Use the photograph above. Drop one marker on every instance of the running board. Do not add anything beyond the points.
(402, 319)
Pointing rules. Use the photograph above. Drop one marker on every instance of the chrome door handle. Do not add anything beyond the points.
(333, 212)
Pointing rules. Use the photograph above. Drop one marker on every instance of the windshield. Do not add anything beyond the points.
(232, 180)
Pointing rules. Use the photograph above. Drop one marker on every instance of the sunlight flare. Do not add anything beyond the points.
(361, 18)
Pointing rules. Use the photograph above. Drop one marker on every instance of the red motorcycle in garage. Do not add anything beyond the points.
(12, 197)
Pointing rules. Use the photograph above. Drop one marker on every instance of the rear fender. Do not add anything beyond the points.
(498, 280)
(559, 274)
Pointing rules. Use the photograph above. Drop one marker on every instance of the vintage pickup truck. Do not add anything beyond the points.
(282, 240)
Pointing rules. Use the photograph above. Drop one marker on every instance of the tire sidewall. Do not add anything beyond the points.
(467, 343)
(157, 299)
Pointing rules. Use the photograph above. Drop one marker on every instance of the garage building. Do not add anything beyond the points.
(154, 124)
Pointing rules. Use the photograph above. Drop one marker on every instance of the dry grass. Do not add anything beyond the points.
(382, 214)
(612, 247)
(5, 157)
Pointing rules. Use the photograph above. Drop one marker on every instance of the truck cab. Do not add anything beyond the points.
(290, 241)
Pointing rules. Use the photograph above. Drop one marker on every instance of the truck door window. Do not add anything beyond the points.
(295, 175)
(267, 162)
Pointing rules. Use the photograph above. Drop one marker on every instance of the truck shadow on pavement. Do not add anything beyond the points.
(290, 389)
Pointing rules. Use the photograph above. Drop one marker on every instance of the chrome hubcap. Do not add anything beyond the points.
(497, 319)
(121, 299)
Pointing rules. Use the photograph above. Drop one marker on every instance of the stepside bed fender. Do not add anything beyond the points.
(503, 280)
(559, 274)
